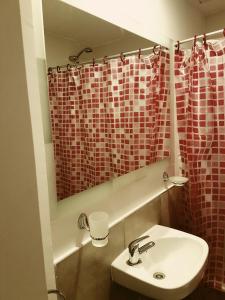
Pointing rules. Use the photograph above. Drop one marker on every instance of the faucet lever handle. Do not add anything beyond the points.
(134, 244)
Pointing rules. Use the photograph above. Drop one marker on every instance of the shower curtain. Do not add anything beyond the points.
(108, 119)
(200, 99)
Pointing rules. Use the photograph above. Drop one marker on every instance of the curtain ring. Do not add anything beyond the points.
(58, 69)
(68, 67)
(195, 40)
(160, 50)
(49, 71)
(154, 48)
(139, 53)
(122, 57)
(93, 62)
(205, 42)
(178, 47)
(76, 63)
(105, 59)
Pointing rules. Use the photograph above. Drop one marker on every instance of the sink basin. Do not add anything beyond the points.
(170, 270)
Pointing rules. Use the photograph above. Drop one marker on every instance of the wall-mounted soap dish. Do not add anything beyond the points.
(176, 180)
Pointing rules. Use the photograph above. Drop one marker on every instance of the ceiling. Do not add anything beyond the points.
(209, 7)
(63, 20)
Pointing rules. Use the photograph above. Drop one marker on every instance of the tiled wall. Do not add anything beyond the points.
(86, 273)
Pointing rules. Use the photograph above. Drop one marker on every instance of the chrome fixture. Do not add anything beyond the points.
(176, 180)
(75, 58)
(103, 59)
(57, 292)
(83, 222)
(135, 250)
(165, 176)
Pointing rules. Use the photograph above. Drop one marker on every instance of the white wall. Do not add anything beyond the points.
(179, 20)
(123, 45)
(22, 273)
(215, 22)
(58, 49)
(152, 19)
(41, 128)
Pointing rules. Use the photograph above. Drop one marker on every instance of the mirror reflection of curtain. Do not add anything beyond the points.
(108, 119)
(200, 86)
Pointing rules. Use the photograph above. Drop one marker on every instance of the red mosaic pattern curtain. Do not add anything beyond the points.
(200, 87)
(108, 119)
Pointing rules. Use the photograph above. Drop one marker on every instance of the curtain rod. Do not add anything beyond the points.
(121, 55)
(202, 36)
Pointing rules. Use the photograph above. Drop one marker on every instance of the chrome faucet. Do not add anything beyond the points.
(165, 176)
(135, 250)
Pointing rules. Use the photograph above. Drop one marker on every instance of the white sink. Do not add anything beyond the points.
(180, 256)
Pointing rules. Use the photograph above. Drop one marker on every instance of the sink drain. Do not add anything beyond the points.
(159, 275)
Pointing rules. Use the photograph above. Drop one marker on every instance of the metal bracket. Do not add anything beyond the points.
(57, 292)
(165, 176)
(83, 222)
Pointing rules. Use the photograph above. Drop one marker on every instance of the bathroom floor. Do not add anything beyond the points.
(202, 293)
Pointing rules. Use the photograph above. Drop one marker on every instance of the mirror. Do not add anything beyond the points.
(109, 108)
